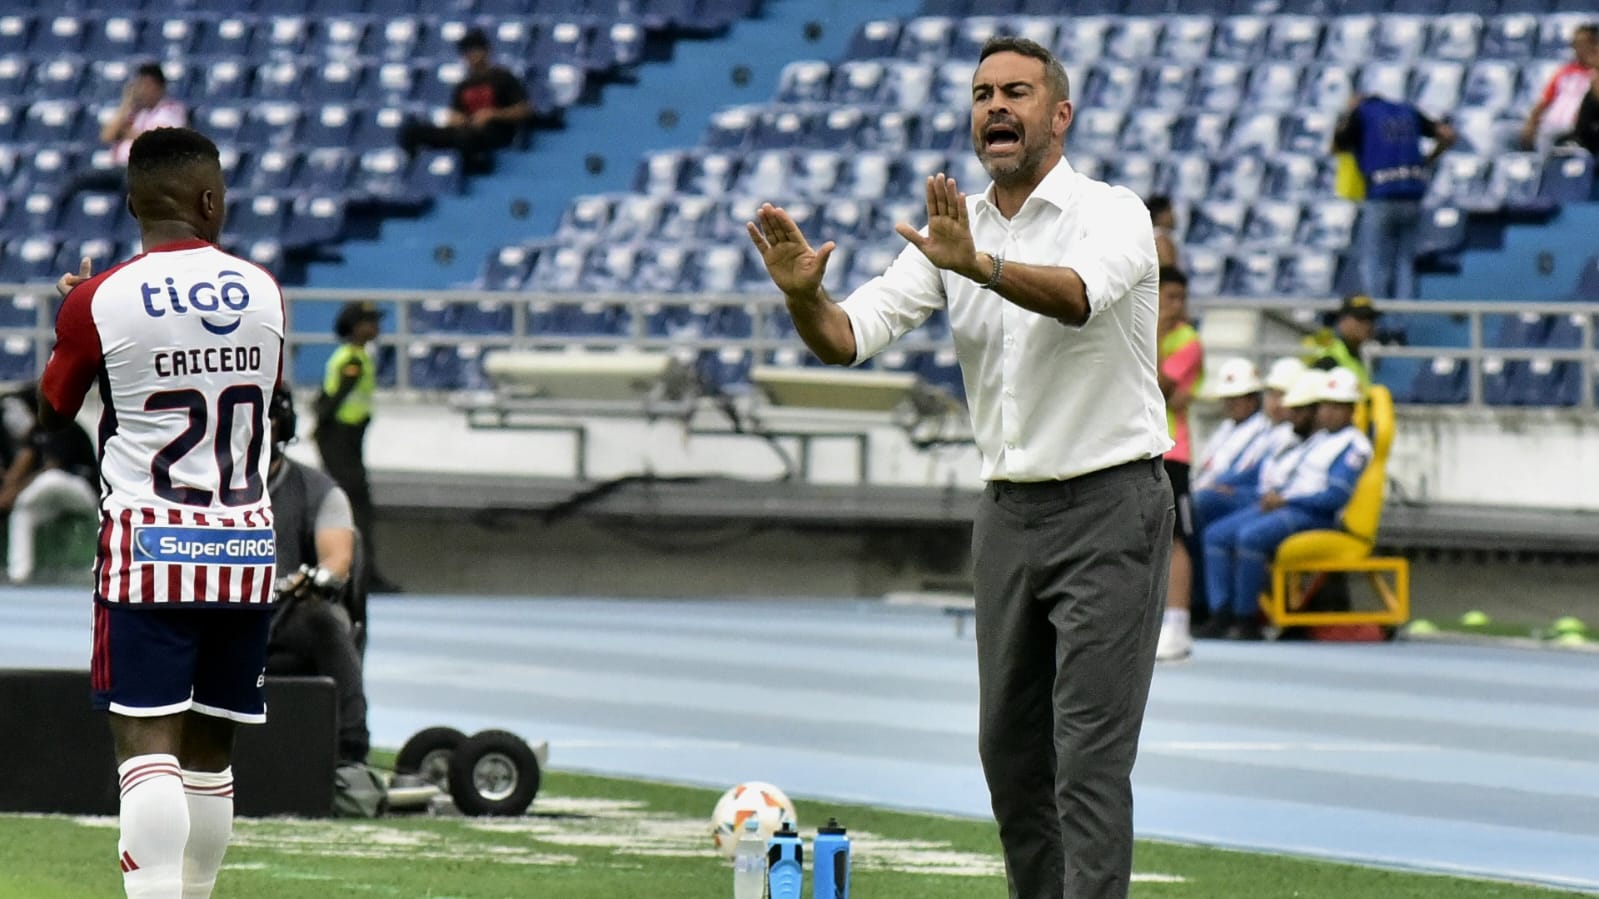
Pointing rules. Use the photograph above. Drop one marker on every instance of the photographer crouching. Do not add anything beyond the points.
(313, 631)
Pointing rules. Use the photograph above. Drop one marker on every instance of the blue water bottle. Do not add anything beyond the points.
(830, 862)
(785, 860)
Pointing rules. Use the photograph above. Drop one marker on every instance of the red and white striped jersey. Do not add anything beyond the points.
(186, 342)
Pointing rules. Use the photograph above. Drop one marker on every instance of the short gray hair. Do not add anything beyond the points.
(1054, 72)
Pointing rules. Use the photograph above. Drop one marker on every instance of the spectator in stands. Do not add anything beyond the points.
(1305, 494)
(312, 628)
(1385, 138)
(145, 105)
(54, 474)
(1181, 361)
(486, 110)
(1051, 287)
(1165, 219)
(1258, 427)
(343, 411)
(1340, 346)
(1554, 116)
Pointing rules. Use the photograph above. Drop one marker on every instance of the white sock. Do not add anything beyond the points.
(155, 825)
(210, 796)
(1175, 620)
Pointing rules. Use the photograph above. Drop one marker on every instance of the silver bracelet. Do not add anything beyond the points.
(999, 266)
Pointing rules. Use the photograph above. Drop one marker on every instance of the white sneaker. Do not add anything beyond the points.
(1174, 644)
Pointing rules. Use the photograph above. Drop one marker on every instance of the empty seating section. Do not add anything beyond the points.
(1230, 113)
(305, 99)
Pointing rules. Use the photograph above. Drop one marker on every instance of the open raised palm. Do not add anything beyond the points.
(796, 268)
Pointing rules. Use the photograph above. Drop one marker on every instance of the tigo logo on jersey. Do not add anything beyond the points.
(203, 297)
(205, 546)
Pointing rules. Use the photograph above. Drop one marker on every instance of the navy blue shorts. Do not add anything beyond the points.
(150, 662)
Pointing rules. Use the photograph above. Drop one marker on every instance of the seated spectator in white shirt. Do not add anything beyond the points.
(145, 106)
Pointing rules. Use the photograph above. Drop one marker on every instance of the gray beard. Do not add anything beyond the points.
(1023, 170)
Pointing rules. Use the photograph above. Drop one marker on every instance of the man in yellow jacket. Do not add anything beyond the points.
(343, 411)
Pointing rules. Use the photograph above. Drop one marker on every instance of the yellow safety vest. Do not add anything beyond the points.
(346, 361)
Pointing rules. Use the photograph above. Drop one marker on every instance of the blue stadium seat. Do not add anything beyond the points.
(1587, 289)
(1443, 381)
(315, 220)
(635, 217)
(29, 259)
(1455, 37)
(1240, 38)
(1443, 230)
(1435, 87)
(1214, 223)
(117, 37)
(1565, 332)
(1389, 80)
(1515, 180)
(1237, 178)
(1185, 39)
(22, 310)
(1328, 224)
(1510, 37)
(433, 173)
(270, 124)
(857, 82)
(1081, 39)
(92, 215)
(1523, 330)
(1568, 177)
(280, 36)
(804, 81)
(925, 39)
(1350, 40)
(1134, 172)
(506, 268)
(1271, 223)
(17, 361)
(15, 31)
(256, 217)
(57, 79)
(1220, 85)
(1184, 177)
(1167, 87)
(57, 36)
(873, 40)
(1293, 38)
(778, 129)
(1308, 274)
(1095, 131)
(688, 218)
(663, 268)
(557, 271)
(1400, 37)
(1252, 274)
(484, 317)
(1133, 40)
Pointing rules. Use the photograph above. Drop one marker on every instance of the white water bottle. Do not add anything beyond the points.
(749, 862)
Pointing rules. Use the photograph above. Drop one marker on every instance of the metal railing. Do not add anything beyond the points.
(770, 332)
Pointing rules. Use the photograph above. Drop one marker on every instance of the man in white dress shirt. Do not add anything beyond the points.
(1049, 280)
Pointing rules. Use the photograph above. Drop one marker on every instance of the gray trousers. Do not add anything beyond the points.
(1070, 581)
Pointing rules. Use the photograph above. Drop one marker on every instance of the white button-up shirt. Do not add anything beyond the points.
(1049, 401)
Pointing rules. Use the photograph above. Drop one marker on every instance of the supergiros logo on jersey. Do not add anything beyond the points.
(205, 546)
(203, 297)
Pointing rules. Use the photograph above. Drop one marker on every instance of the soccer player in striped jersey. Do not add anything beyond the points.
(185, 343)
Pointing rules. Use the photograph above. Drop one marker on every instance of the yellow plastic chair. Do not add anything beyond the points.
(1303, 560)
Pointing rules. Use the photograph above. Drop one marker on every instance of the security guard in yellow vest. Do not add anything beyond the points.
(343, 411)
(1339, 346)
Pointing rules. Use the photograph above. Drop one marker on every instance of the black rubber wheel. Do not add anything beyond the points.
(427, 755)
(494, 773)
